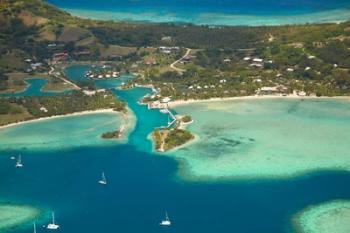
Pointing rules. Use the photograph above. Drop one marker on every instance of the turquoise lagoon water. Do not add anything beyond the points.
(266, 138)
(143, 185)
(212, 12)
(77, 74)
(61, 133)
(34, 89)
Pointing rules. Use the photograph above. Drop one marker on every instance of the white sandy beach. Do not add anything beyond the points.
(252, 97)
(58, 116)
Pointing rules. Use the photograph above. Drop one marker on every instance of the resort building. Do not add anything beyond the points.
(280, 89)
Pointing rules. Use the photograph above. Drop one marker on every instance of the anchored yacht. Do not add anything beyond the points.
(165, 222)
(53, 225)
(103, 180)
(19, 162)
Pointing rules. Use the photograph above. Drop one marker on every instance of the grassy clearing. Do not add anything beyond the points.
(71, 33)
(117, 50)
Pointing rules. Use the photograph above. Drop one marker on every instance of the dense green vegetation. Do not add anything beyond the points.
(157, 138)
(111, 135)
(33, 29)
(36, 107)
(186, 119)
(321, 68)
(188, 36)
(167, 139)
(177, 137)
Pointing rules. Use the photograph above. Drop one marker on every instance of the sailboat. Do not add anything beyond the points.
(34, 227)
(19, 162)
(53, 225)
(165, 222)
(103, 180)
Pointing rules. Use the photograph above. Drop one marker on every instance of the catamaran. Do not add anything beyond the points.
(165, 222)
(19, 162)
(53, 225)
(103, 180)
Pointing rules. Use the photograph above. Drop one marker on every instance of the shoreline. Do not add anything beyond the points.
(256, 165)
(87, 112)
(7, 94)
(251, 97)
(216, 19)
(129, 119)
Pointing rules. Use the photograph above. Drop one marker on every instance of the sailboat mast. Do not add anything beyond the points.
(53, 218)
(34, 227)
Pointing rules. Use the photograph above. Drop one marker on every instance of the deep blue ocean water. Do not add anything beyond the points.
(212, 12)
(143, 185)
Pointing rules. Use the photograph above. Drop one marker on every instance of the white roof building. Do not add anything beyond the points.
(43, 109)
(256, 65)
(89, 93)
(258, 60)
(269, 89)
(166, 99)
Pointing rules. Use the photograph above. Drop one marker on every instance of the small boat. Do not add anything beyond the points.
(34, 227)
(19, 162)
(53, 225)
(13, 158)
(103, 180)
(165, 222)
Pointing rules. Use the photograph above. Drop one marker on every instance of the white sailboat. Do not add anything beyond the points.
(53, 225)
(19, 162)
(165, 222)
(103, 180)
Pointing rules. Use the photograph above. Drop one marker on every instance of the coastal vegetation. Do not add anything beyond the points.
(13, 110)
(186, 119)
(168, 139)
(17, 82)
(224, 61)
(111, 135)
